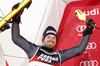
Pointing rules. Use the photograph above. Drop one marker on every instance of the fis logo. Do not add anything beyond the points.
(89, 63)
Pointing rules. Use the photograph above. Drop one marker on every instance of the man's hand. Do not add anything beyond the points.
(17, 17)
(89, 27)
(89, 23)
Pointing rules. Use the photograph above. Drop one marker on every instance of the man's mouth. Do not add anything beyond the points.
(50, 43)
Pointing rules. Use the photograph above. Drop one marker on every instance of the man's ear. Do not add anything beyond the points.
(43, 42)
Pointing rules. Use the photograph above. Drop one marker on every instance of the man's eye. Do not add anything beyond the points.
(54, 37)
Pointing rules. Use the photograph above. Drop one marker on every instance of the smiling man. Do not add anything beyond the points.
(44, 55)
(49, 37)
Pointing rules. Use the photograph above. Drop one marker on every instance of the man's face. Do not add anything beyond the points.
(50, 41)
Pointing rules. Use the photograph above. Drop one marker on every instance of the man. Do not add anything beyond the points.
(44, 55)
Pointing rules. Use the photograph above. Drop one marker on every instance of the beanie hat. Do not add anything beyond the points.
(49, 30)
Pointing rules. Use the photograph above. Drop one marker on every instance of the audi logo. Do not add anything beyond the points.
(91, 45)
(89, 63)
(80, 28)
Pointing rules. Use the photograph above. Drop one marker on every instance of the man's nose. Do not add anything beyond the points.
(51, 39)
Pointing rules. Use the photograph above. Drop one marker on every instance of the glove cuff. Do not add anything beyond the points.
(86, 32)
(17, 19)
